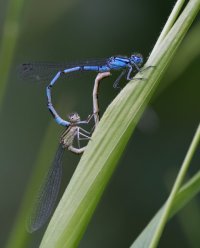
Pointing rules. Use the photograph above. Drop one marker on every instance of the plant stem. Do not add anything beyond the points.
(176, 187)
(8, 43)
(170, 22)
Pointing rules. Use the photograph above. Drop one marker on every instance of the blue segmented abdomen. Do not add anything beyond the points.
(102, 68)
(53, 112)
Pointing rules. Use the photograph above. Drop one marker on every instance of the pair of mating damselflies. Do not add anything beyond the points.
(39, 71)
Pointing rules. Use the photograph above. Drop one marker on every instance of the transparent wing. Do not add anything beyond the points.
(47, 195)
(45, 71)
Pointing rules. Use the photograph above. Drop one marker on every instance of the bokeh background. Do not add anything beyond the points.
(74, 30)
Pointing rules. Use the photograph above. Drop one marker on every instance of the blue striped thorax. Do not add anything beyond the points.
(120, 62)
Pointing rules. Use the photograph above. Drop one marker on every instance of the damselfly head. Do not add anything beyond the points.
(136, 59)
(74, 117)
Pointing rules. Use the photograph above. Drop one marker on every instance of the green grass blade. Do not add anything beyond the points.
(188, 218)
(189, 49)
(109, 140)
(185, 194)
(168, 206)
(170, 22)
(19, 236)
(8, 42)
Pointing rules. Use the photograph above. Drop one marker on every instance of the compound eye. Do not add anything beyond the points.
(137, 59)
(72, 116)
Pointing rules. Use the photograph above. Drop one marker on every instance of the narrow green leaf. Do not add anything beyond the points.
(8, 42)
(19, 237)
(185, 194)
(170, 22)
(189, 49)
(169, 204)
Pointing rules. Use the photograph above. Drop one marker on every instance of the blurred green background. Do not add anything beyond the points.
(72, 30)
